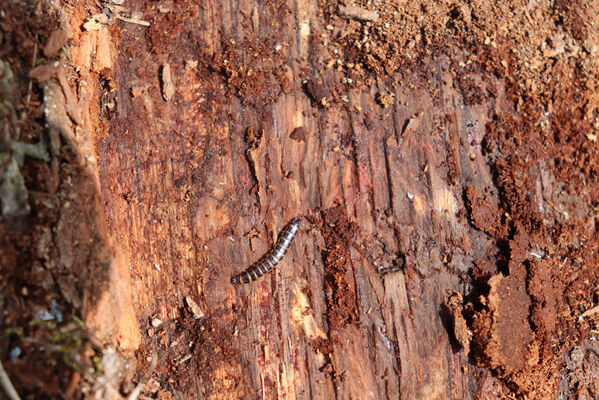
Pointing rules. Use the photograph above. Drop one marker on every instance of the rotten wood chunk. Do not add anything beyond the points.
(462, 334)
(57, 39)
(318, 92)
(358, 13)
(501, 332)
(44, 72)
(484, 215)
(300, 133)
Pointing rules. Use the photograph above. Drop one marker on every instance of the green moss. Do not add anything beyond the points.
(68, 339)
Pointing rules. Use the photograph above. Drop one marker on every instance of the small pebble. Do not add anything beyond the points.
(14, 354)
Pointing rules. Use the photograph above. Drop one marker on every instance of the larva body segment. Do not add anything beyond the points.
(272, 257)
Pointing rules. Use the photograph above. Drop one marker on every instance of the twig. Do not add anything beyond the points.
(133, 21)
(31, 80)
(181, 361)
(7, 384)
(135, 393)
(590, 311)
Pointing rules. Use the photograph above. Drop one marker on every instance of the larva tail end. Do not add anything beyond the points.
(234, 280)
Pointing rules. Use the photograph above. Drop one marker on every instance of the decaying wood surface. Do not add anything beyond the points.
(254, 134)
(441, 156)
(194, 203)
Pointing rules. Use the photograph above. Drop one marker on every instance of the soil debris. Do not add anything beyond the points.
(385, 99)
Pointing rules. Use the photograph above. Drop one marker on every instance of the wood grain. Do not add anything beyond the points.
(184, 191)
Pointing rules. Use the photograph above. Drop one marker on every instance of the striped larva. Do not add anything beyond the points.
(272, 257)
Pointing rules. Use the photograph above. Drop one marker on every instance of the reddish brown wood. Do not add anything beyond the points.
(197, 187)
(441, 156)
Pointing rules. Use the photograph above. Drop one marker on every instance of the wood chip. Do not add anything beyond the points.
(194, 308)
(163, 8)
(358, 13)
(191, 64)
(385, 99)
(168, 88)
(96, 22)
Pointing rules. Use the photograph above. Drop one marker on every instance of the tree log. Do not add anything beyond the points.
(445, 186)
